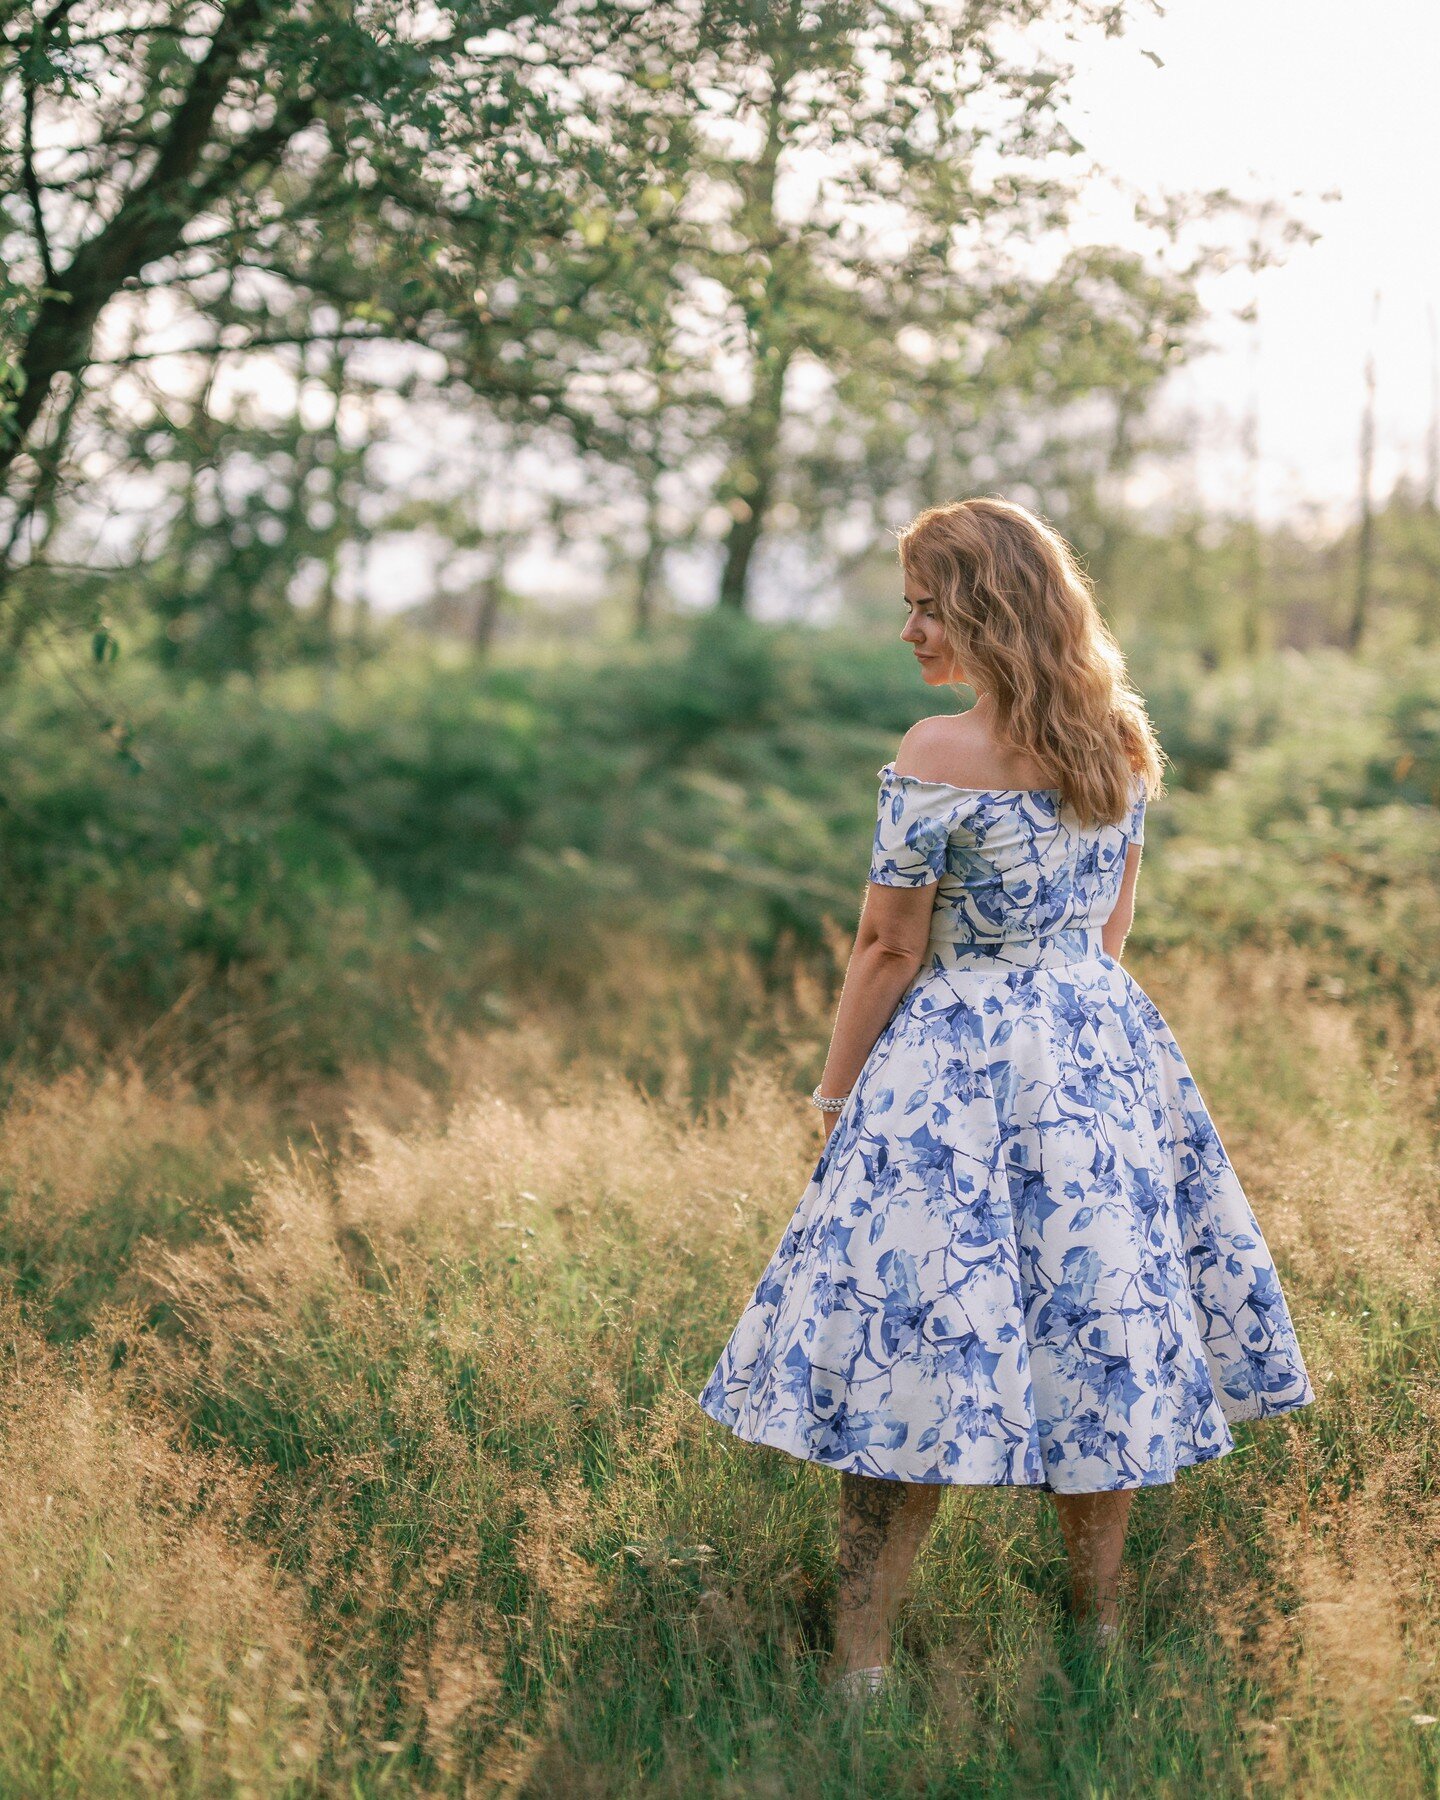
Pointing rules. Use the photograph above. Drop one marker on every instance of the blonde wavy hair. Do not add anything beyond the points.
(1019, 614)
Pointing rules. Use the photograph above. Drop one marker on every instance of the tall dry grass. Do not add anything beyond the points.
(371, 1464)
(148, 1645)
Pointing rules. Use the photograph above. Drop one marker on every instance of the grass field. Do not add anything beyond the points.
(368, 1463)
(391, 1130)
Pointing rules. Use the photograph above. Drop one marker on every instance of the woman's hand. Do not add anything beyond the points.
(828, 1122)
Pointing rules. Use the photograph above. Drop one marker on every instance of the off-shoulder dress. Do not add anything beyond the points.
(1023, 1256)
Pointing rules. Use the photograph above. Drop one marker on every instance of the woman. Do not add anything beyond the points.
(1023, 1257)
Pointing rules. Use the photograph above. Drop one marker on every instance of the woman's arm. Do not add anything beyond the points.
(1115, 928)
(890, 947)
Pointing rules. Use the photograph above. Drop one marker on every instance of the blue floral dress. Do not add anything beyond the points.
(1023, 1256)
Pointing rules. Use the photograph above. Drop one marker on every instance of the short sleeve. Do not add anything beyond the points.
(910, 839)
(1135, 822)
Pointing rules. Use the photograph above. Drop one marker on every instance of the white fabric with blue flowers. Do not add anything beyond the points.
(1023, 1256)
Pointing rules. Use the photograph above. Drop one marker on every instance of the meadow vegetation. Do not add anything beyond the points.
(405, 1024)
(390, 1139)
(281, 877)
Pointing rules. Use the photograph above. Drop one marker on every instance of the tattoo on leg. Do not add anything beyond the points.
(869, 1510)
(882, 1525)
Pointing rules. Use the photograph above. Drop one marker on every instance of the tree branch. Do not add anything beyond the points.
(31, 182)
(148, 225)
(34, 49)
(284, 340)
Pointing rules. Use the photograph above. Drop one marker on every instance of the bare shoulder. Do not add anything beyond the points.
(928, 742)
(950, 748)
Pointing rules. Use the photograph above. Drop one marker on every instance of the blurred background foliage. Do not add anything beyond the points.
(289, 877)
(615, 341)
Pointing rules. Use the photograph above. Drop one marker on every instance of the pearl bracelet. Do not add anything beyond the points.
(827, 1102)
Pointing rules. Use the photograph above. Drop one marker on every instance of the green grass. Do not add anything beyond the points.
(348, 1440)
(425, 1400)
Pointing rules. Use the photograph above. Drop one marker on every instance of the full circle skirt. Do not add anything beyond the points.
(1024, 1256)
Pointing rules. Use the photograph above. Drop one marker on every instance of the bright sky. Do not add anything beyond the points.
(1271, 98)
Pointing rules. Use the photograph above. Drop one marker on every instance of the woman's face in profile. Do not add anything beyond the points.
(923, 632)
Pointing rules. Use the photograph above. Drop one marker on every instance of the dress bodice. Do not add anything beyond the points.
(1011, 863)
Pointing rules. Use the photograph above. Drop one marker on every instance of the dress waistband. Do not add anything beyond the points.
(1077, 943)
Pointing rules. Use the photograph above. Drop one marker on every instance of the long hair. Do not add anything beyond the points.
(1019, 614)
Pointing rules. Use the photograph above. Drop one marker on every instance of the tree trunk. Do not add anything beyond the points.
(760, 433)
(1365, 542)
(647, 576)
(326, 605)
(1254, 620)
(1254, 635)
(487, 610)
(41, 504)
(739, 548)
(758, 458)
(1432, 436)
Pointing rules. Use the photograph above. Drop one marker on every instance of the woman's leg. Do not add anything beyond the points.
(1093, 1526)
(882, 1526)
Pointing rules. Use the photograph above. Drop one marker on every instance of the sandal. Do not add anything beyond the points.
(1103, 1635)
(859, 1684)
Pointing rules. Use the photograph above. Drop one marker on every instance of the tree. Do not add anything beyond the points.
(869, 226)
(232, 177)
(260, 508)
(1365, 535)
